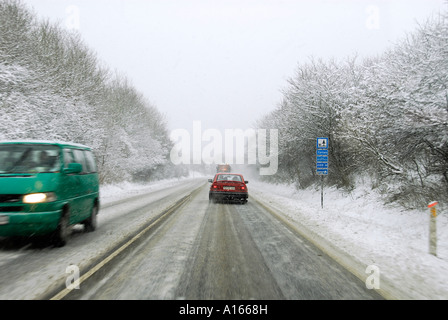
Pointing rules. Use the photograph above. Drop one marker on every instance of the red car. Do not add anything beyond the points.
(228, 186)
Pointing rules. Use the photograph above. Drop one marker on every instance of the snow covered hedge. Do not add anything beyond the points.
(53, 87)
(386, 117)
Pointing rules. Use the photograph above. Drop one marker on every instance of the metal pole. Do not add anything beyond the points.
(322, 191)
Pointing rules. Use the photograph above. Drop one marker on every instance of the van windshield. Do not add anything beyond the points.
(28, 158)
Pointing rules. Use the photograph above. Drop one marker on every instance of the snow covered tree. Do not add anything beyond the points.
(53, 87)
(385, 116)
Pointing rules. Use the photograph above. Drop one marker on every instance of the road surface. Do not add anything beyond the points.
(226, 251)
(201, 250)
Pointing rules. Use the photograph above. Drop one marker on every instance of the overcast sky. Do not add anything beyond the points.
(225, 62)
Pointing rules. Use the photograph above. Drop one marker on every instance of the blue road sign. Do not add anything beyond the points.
(322, 159)
(322, 171)
(322, 152)
(322, 143)
(322, 156)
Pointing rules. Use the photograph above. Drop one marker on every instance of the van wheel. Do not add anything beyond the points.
(60, 236)
(91, 223)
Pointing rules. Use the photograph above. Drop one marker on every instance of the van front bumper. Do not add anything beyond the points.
(28, 224)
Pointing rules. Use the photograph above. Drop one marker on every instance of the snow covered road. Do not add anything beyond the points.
(359, 230)
(224, 251)
(220, 251)
(30, 270)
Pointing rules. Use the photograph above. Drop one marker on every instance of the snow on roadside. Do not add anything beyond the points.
(387, 236)
(114, 192)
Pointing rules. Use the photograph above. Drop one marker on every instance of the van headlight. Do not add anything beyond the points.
(39, 197)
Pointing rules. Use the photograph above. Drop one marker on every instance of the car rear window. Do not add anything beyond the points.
(229, 177)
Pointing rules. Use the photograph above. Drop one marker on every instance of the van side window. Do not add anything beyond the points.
(68, 157)
(90, 161)
(79, 158)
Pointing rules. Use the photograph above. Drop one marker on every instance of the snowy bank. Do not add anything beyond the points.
(387, 236)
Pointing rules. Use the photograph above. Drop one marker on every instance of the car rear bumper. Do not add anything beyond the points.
(226, 195)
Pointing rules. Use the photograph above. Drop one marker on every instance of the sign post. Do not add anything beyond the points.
(432, 228)
(322, 164)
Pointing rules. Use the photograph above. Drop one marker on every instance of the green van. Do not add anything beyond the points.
(45, 187)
